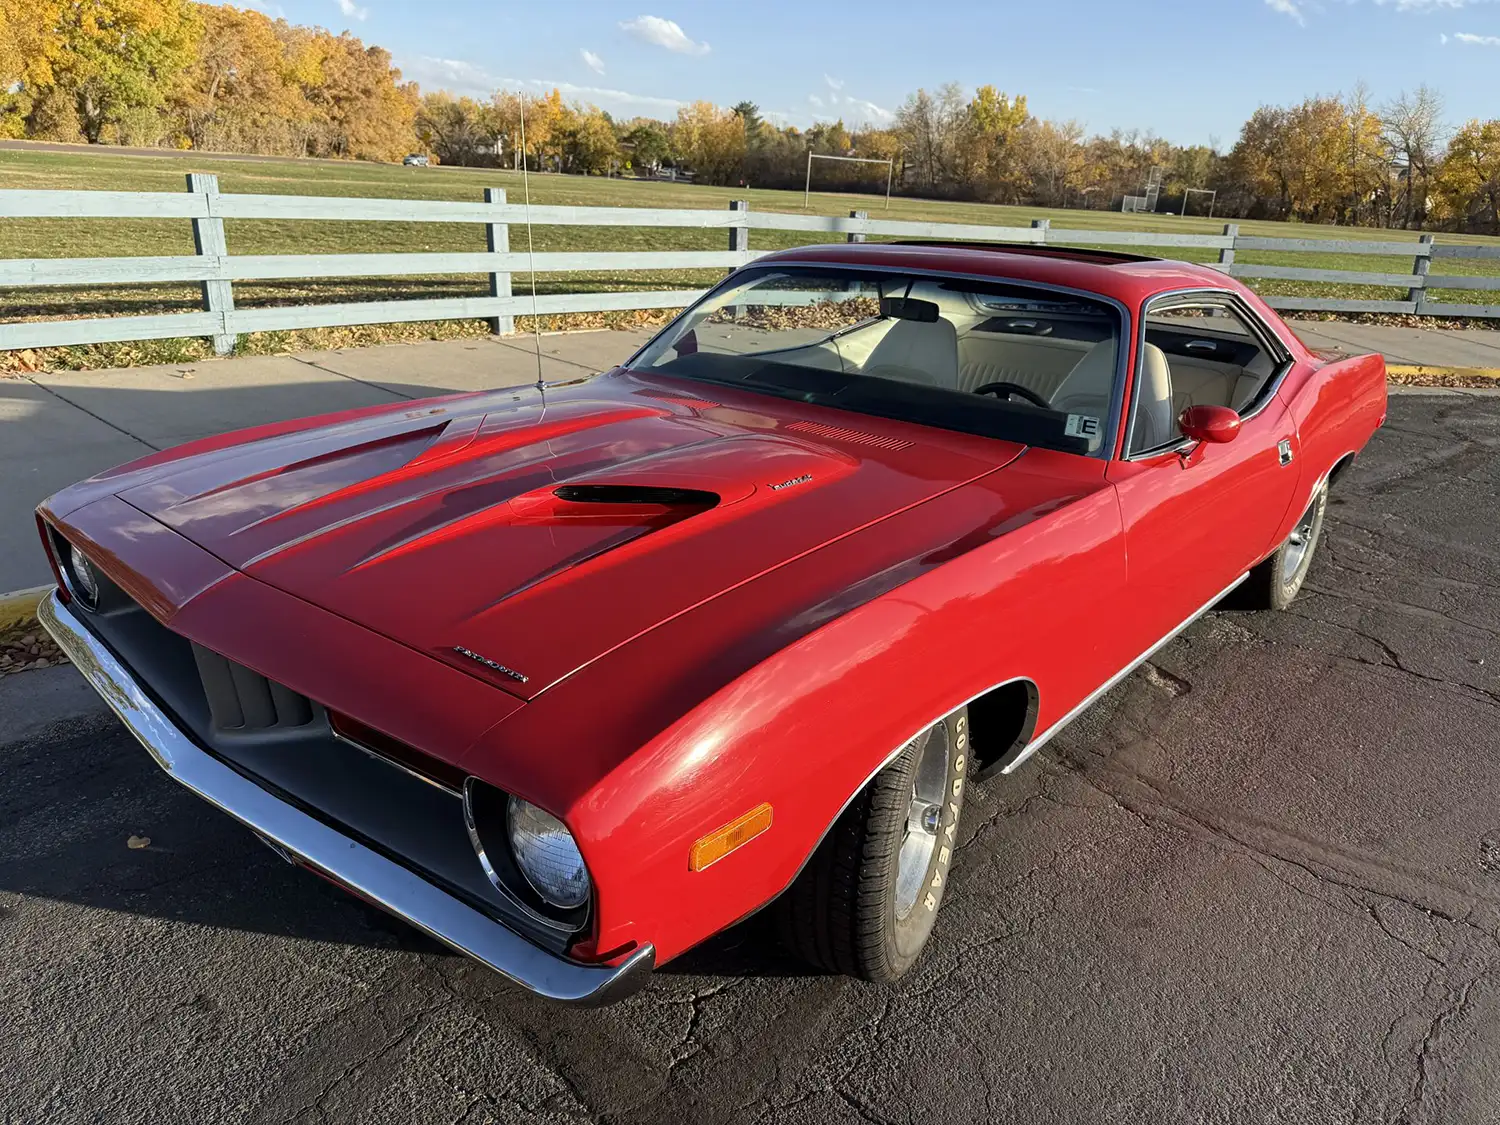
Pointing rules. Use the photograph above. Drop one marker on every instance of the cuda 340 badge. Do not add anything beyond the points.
(488, 663)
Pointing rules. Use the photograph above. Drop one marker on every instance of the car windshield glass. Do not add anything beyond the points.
(1000, 359)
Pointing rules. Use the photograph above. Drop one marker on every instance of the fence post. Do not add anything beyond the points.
(739, 239)
(1226, 256)
(497, 241)
(739, 234)
(1417, 294)
(852, 236)
(208, 239)
(1043, 225)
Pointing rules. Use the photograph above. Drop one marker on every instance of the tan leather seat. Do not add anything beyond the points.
(915, 351)
(1155, 410)
(1203, 384)
(1087, 390)
(1090, 381)
(1036, 363)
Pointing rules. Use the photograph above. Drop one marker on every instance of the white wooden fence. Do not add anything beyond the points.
(216, 269)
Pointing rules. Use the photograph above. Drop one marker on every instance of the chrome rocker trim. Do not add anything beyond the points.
(1093, 697)
(362, 870)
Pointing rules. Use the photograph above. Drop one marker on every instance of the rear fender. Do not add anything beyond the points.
(1336, 407)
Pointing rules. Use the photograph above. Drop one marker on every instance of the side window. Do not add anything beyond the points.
(1197, 352)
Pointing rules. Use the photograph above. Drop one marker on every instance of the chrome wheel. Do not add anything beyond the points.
(923, 819)
(1299, 543)
(866, 901)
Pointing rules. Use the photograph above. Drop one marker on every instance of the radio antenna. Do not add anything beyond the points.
(536, 324)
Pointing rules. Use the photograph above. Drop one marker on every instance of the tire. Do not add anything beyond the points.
(1274, 583)
(865, 903)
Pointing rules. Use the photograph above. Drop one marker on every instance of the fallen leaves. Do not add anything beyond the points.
(27, 647)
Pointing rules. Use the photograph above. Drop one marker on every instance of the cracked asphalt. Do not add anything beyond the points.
(1260, 881)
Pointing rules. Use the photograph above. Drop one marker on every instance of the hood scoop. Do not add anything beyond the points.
(614, 495)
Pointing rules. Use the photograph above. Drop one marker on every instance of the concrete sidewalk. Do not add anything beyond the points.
(58, 427)
(1424, 347)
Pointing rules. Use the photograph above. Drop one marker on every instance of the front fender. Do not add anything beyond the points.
(806, 725)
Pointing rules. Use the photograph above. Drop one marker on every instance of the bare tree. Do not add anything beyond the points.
(1412, 129)
(930, 129)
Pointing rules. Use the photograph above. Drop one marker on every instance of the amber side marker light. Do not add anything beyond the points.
(721, 841)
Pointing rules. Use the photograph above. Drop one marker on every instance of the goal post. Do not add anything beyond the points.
(890, 171)
(1213, 197)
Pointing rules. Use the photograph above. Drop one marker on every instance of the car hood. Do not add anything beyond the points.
(518, 536)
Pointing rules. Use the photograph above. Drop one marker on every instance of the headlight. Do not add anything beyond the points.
(82, 573)
(547, 855)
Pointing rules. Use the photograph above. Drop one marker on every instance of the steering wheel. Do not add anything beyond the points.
(1008, 389)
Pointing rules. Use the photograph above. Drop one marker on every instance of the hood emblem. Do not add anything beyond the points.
(803, 479)
(488, 663)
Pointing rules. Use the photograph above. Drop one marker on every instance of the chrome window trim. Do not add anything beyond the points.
(1267, 336)
(376, 878)
(1117, 393)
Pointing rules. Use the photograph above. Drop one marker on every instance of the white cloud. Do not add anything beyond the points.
(814, 100)
(1287, 8)
(1426, 5)
(661, 33)
(833, 83)
(591, 60)
(873, 114)
(352, 10)
(454, 75)
(1476, 40)
(601, 96)
(459, 76)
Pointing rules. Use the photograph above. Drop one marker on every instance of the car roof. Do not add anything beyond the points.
(1126, 277)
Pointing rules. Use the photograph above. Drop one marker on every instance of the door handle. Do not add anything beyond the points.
(1284, 450)
(1201, 346)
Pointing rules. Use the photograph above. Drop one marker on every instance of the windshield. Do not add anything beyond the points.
(993, 358)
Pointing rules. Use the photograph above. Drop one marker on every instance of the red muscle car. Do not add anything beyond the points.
(573, 677)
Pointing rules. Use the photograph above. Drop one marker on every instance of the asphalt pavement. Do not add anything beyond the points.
(1258, 882)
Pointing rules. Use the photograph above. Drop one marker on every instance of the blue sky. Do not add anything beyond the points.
(1192, 70)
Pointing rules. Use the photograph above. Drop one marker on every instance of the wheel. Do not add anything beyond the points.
(1274, 583)
(865, 903)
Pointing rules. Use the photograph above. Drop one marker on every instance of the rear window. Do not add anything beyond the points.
(992, 358)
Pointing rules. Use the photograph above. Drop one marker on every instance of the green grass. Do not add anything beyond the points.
(37, 238)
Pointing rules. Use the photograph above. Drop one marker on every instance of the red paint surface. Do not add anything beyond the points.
(684, 666)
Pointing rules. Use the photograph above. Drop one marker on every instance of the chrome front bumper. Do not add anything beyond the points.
(343, 859)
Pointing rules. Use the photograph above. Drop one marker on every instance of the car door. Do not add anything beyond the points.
(1197, 516)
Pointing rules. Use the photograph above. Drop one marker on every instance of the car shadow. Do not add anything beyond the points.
(89, 819)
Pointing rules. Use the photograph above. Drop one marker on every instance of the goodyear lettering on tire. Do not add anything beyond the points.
(950, 822)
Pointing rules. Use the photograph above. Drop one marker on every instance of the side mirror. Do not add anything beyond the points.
(1217, 424)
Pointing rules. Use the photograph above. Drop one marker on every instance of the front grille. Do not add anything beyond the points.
(281, 739)
(242, 700)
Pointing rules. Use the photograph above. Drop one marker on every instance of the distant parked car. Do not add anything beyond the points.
(416, 160)
(574, 677)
